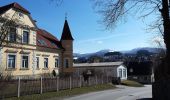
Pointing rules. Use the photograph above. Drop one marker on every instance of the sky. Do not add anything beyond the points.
(89, 35)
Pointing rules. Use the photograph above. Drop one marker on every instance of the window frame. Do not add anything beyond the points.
(45, 64)
(22, 61)
(27, 37)
(37, 62)
(8, 60)
(56, 65)
(124, 72)
(120, 72)
(14, 33)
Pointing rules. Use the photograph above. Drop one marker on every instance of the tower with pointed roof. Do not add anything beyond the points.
(67, 44)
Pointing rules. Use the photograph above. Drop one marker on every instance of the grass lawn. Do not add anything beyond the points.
(65, 93)
(131, 83)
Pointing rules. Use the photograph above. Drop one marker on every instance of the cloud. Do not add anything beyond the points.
(99, 42)
(100, 39)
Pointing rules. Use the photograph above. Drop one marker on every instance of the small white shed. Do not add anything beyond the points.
(114, 69)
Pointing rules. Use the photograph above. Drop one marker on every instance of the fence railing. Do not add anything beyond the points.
(20, 87)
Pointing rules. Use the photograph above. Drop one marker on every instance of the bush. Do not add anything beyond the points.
(116, 80)
(54, 73)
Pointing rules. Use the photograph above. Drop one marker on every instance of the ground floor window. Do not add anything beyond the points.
(37, 62)
(56, 62)
(11, 60)
(24, 61)
(45, 62)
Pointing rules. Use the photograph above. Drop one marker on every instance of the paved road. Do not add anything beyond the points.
(122, 93)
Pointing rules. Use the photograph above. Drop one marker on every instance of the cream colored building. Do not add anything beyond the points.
(31, 50)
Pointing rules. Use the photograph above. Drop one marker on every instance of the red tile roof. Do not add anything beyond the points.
(66, 34)
(46, 39)
(13, 5)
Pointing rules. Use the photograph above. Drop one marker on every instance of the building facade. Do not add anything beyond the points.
(30, 50)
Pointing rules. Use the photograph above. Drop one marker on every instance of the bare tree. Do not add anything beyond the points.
(7, 23)
(114, 11)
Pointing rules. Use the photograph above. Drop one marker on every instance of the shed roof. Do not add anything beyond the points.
(101, 64)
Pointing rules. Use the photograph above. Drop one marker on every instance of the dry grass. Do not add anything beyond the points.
(131, 83)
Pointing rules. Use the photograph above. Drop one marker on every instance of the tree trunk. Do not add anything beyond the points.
(161, 86)
(166, 25)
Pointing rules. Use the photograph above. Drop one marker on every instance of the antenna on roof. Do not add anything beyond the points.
(66, 16)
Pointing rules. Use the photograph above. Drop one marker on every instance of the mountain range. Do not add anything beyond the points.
(133, 51)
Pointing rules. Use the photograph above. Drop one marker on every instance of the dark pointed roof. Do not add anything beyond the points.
(66, 34)
(13, 5)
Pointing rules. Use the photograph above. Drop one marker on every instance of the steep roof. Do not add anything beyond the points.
(66, 34)
(46, 39)
(13, 5)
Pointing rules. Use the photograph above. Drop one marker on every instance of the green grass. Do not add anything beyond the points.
(131, 83)
(65, 93)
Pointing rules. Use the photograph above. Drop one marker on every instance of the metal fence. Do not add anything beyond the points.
(20, 87)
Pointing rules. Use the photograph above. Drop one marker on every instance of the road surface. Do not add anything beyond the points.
(122, 93)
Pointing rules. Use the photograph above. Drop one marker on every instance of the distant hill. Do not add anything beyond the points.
(98, 53)
(152, 50)
(133, 51)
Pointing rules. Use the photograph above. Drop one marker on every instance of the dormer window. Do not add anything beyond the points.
(25, 37)
(12, 35)
(42, 42)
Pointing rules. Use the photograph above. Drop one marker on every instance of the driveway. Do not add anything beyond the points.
(121, 93)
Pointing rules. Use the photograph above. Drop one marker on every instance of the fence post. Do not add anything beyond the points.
(41, 86)
(96, 79)
(89, 81)
(57, 83)
(80, 81)
(107, 78)
(70, 82)
(102, 79)
(19, 85)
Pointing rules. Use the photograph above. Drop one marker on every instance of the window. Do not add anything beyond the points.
(124, 72)
(42, 42)
(11, 61)
(25, 37)
(24, 61)
(120, 73)
(21, 15)
(12, 35)
(56, 62)
(66, 64)
(45, 62)
(37, 62)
